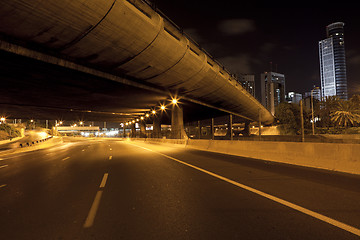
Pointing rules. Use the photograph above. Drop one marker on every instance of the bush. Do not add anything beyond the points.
(8, 131)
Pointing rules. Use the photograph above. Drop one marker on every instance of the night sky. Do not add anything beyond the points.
(246, 38)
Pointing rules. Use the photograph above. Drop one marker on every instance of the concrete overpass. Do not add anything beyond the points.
(126, 41)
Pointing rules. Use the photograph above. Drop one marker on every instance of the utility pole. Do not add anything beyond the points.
(259, 123)
(302, 121)
(231, 126)
(312, 111)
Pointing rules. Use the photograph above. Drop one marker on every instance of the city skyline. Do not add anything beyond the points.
(247, 40)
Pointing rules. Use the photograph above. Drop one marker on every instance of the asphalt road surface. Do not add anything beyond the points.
(111, 189)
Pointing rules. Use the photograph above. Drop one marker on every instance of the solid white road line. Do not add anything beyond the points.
(3, 166)
(92, 213)
(103, 181)
(94, 207)
(316, 215)
(65, 159)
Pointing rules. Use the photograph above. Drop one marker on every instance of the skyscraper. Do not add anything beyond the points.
(294, 97)
(272, 90)
(247, 81)
(332, 62)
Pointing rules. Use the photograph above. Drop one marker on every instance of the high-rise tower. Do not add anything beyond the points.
(272, 90)
(332, 62)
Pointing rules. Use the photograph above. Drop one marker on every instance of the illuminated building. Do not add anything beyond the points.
(332, 62)
(272, 90)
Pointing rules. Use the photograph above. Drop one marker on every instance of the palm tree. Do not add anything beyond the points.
(355, 99)
(345, 114)
(327, 106)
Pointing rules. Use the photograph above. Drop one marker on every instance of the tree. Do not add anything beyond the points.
(288, 117)
(355, 99)
(327, 106)
(345, 114)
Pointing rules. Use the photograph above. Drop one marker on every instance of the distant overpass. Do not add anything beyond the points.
(127, 41)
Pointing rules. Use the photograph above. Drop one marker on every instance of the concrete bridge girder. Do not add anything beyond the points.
(26, 20)
(169, 52)
(185, 71)
(113, 42)
(196, 68)
(128, 36)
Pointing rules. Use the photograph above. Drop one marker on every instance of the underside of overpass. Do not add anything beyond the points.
(46, 91)
(109, 61)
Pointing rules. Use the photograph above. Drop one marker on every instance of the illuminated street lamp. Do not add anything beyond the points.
(142, 118)
(153, 111)
(162, 107)
(174, 101)
(32, 122)
(2, 119)
(147, 115)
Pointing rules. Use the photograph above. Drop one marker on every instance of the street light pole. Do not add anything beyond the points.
(312, 111)
(302, 121)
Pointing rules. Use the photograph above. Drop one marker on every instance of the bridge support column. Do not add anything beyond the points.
(156, 127)
(177, 123)
(133, 130)
(229, 133)
(212, 129)
(259, 123)
(124, 134)
(142, 129)
(199, 129)
(246, 131)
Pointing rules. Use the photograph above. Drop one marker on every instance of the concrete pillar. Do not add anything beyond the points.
(156, 127)
(124, 134)
(199, 129)
(229, 133)
(259, 123)
(302, 121)
(212, 129)
(142, 129)
(177, 123)
(133, 130)
(246, 131)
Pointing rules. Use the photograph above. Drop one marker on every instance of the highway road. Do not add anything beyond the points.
(112, 189)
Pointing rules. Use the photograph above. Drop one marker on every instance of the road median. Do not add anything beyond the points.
(330, 156)
(34, 145)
